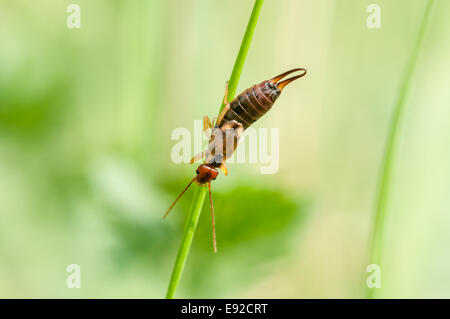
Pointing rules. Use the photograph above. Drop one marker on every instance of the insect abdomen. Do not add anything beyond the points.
(253, 103)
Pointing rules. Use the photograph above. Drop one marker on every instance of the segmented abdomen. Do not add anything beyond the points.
(253, 103)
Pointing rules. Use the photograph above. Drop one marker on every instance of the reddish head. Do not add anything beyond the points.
(205, 174)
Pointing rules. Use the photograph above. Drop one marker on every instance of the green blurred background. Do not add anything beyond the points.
(85, 170)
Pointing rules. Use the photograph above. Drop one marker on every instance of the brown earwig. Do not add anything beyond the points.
(225, 134)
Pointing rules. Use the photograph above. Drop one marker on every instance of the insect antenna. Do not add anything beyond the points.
(212, 218)
(179, 196)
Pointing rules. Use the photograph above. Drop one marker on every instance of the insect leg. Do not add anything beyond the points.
(226, 108)
(213, 123)
(224, 168)
(197, 157)
(225, 99)
(222, 114)
(207, 125)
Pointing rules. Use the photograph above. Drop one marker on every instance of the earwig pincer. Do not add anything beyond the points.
(225, 133)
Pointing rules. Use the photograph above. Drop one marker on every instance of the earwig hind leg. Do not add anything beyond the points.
(225, 98)
(222, 114)
(207, 125)
(197, 157)
(226, 108)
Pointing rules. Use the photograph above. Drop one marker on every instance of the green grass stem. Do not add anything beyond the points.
(200, 193)
(188, 235)
(385, 176)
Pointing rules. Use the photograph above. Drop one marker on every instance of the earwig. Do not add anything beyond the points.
(224, 135)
